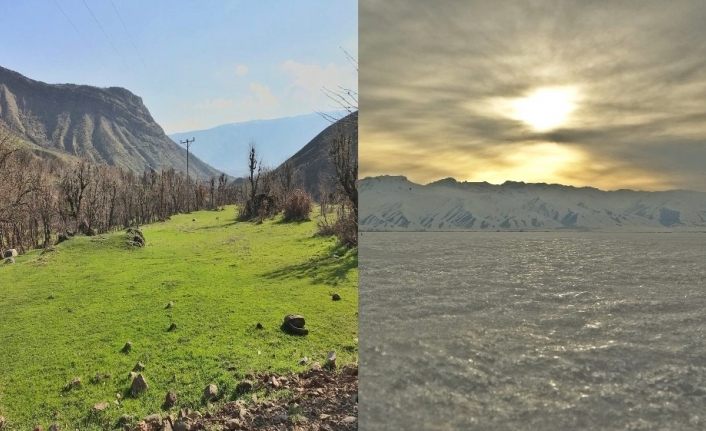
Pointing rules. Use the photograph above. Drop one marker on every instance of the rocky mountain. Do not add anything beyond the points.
(395, 203)
(312, 162)
(225, 147)
(104, 125)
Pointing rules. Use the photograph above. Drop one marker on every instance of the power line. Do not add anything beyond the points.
(127, 32)
(105, 33)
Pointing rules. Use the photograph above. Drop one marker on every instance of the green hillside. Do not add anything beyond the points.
(67, 313)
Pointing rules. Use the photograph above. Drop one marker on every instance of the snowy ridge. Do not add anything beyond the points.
(395, 203)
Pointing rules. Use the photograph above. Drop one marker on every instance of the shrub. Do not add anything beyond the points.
(344, 226)
(297, 206)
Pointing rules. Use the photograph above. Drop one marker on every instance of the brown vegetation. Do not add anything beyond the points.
(41, 199)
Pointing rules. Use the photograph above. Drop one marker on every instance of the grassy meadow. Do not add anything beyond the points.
(67, 313)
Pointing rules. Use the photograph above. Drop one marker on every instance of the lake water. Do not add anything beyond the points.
(532, 331)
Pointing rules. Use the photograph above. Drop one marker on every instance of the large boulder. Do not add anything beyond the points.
(9, 253)
(138, 386)
(294, 324)
(135, 237)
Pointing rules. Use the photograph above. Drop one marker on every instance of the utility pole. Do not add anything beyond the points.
(188, 143)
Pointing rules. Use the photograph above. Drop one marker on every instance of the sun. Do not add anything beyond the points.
(545, 108)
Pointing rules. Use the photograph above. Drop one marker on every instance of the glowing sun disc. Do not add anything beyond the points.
(545, 108)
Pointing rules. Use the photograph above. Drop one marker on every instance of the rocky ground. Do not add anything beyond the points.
(316, 400)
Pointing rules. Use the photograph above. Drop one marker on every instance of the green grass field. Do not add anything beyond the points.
(68, 313)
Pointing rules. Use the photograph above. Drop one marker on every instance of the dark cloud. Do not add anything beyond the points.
(429, 68)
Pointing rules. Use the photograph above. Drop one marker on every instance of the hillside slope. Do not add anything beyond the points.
(225, 147)
(394, 203)
(67, 314)
(313, 162)
(104, 125)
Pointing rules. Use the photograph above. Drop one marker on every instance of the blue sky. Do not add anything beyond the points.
(196, 64)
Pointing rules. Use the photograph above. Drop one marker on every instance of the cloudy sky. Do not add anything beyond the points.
(610, 94)
(196, 64)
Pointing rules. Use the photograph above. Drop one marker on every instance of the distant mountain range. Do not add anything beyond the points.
(103, 125)
(226, 146)
(393, 203)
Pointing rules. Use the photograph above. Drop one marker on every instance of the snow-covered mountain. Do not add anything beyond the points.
(395, 203)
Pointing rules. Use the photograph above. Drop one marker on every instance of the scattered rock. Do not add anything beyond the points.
(259, 326)
(138, 367)
(233, 424)
(169, 305)
(336, 297)
(127, 347)
(274, 382)
(349, 420)
(134, 237)
(73, 384)
(294, 324)
(316, 366)
(153, 419)
(172, 327)
(210, 393)
(139, 385)
(170, 400)
(304, 361)
(11, 252)
(350, 370)
(99, 407)
(331, 360)
(244, 387)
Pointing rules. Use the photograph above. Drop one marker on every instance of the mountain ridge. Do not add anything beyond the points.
(108, 125)
(395, 203)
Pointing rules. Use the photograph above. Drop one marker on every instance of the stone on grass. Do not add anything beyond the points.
(54, 427)
(170, 400)
(10, 253)
(336, 297)
(73, 384)
(331, 360)
(138, 367)
(38, 428)
(210, 392)
(138, 386)
(99, 407)
(294, 324)
(170, 304)
(304, 361)
(172, 327)
(127, 347)
(259, 326)
(316, 366)
(9, 261)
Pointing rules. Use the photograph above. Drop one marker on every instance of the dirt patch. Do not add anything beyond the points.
(316, 400)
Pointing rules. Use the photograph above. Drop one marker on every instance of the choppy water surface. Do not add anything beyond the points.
(533, 331)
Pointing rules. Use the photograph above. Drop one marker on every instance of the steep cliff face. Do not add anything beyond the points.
(103, 125)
